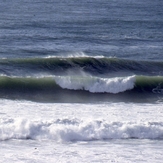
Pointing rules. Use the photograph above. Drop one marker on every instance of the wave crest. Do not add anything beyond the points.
(94, 84)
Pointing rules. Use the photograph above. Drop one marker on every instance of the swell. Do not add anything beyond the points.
(58, 65)
(81, 89)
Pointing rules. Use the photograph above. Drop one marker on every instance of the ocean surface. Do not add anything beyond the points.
(81, 81)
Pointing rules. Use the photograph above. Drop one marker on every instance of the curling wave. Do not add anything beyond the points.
(97, 85)
(85, 88)
(89, 83)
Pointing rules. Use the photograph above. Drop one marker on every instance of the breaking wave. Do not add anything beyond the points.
(77, 88)
(97, 85)
(77, 130)
(59, 78)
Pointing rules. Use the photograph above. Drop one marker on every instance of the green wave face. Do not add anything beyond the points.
(26, 84)
(82, 89)
(94, 66)
(150, 84)
(80, 79)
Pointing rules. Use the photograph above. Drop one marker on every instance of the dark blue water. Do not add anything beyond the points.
(89, 49)
(123, 29)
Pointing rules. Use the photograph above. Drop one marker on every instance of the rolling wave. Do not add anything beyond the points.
(58, 79)
(86, 87)
(96, 85)
(56, 65)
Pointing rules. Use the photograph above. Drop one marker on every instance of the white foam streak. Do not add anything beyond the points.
(75, 130)
(79, 54)
(94, 84)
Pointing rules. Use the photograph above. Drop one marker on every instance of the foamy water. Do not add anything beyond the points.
(76, 132)
(96, 85)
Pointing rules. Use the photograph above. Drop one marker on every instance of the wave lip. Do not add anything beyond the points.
(97, 85)
(76, 130)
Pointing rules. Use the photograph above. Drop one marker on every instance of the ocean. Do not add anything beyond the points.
(81, 81)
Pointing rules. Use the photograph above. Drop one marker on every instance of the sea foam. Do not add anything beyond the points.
(79, 54)
(77, 130)
(95, 84)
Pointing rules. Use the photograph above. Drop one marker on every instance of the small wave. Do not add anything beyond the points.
(97, 85)
(77, 130)
(75, 55)
(69, 55)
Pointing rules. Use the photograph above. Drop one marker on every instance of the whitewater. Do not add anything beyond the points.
(111, 85)
(110, 132)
